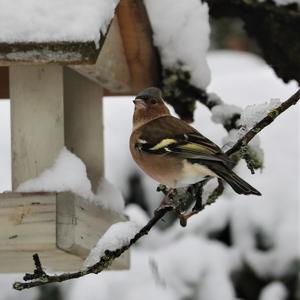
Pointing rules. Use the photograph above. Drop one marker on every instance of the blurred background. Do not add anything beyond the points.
(240, 247)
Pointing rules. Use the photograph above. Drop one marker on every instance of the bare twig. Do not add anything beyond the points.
(40, 277)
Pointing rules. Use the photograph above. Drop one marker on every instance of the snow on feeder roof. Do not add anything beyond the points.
(62, 31)
(115, 52)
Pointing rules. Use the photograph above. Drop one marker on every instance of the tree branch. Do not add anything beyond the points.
(40, 277)
(271, 116)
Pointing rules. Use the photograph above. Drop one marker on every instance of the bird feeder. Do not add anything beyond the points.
(56, 90)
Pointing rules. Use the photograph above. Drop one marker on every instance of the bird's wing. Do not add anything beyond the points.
(169, 135)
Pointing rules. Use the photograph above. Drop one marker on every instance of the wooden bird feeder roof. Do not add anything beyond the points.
(53, 31)
(116, 52)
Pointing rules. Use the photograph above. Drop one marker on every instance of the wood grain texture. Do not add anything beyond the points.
(60, 227)
(81, 224)
(37, 119)
(136, 34)
(27, 222)
(84, 122)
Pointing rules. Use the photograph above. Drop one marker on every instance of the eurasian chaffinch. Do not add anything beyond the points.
(174, 153)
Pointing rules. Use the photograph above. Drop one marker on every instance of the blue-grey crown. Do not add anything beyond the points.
(151, 92)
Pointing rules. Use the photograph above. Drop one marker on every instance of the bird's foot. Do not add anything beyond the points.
(184, 217)
(166, 201)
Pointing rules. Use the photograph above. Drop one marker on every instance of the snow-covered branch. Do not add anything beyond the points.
(40, 277)
(271, 116)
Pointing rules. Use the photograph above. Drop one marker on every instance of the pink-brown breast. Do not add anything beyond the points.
(163, 168)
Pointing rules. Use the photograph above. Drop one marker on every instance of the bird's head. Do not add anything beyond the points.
(149, 105)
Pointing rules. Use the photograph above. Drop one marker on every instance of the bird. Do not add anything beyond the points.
(174, 153)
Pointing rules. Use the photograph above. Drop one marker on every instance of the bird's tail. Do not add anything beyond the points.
(236, 182)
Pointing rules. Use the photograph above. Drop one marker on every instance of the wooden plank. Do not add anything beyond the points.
(54, 260)
(136, 34)
(37, 120)
(27, 222)
(83, 122)
(60, 227)
(4, 83)
(111, 69)
(81, 224)
(51, 52)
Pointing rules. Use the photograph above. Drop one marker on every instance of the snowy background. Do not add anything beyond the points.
(191, 263)
(241, 247)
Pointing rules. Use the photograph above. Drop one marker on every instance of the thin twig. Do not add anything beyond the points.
(39, 277)
(271, 116)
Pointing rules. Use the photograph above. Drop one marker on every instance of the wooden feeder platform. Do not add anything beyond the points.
(62, 228)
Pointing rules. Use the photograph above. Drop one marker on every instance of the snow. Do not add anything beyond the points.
(8, 293)
(182, 265)
(280, 259)
(55, 20)
(274, 291)
(109, 197)
(117, 236)
(212, 219)
(254, 146)
(252, 114)
(222, 113)
(181, 33)
(67, 174)
(154, 238)
(213, 98)
(232, 137)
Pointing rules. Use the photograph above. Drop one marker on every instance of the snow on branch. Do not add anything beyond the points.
(181, 33)
(131, 234)
(271, 116)
(174, 24)
(117, 236)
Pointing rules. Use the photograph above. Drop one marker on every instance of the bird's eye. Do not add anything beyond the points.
(153, 101)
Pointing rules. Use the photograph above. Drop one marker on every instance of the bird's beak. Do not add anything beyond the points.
(139, 103)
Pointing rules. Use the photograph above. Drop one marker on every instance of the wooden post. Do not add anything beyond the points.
(37, 119)
(52, 106)
(83, 122)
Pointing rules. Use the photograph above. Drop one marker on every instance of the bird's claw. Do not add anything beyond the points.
(183, 217)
